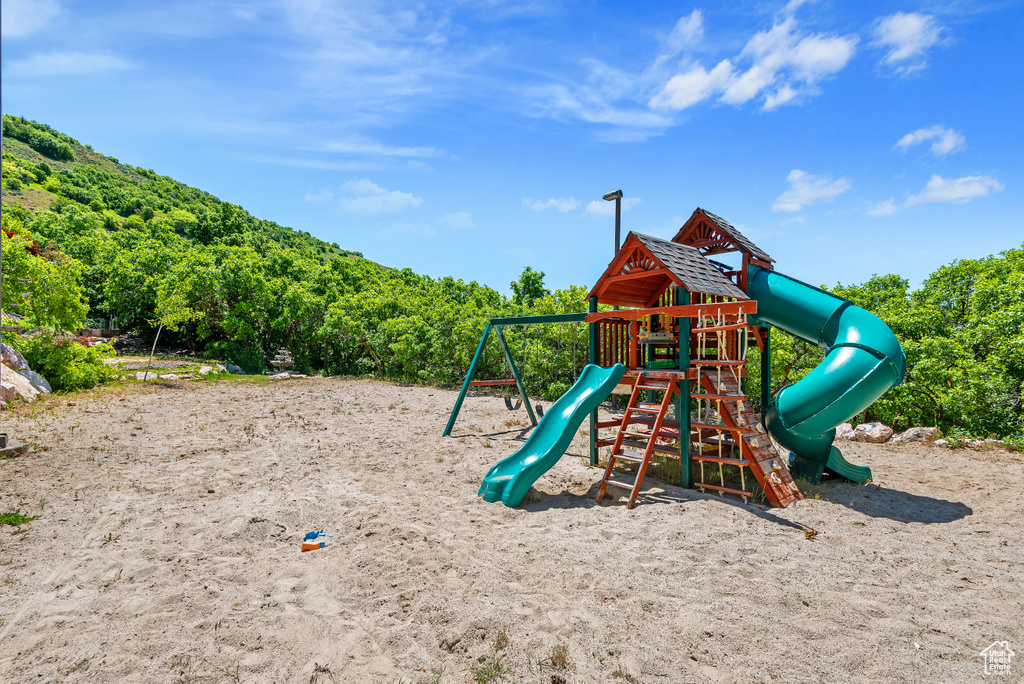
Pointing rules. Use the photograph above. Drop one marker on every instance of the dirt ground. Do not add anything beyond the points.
(171, 517)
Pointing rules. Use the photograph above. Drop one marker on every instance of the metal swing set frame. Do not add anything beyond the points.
(498, 325)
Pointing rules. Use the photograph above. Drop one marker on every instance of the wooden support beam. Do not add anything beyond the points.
(633, 275)
(685, 311)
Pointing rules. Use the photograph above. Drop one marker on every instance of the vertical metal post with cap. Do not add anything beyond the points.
(617, 196)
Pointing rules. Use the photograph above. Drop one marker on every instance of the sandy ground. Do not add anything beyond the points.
(171, 515)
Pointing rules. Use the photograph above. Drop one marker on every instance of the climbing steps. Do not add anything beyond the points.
(634, 444)
(727, 440)
(748, 438)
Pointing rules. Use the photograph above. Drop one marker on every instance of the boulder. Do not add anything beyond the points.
(12, 358)
(141, 375)
(941, 443)
(37, 380)
(220, 369)
(874, 433)
(15, 387)
(235, 370)
(205, 370)
(928, 435)
(844, 431)
(278, 376)
(170, 376)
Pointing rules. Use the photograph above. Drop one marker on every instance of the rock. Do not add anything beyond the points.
(12, 358)
(15, 387)
(918, 434)
(874, 433)
(235, 370)
(37, 380)
(844, 431)
(221, 369)
(170, 376)
(278, 376)
(941, 443)
(205, 370)
(141, 375)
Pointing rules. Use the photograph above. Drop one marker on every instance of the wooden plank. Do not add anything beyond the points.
(483, 383)
(739, 492)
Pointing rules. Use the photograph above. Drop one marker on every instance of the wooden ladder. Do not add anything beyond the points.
(749, 438)
(642, 444)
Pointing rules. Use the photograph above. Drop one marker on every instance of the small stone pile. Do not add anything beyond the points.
(879, 433)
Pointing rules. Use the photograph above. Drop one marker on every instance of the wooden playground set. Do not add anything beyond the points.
(676, 343)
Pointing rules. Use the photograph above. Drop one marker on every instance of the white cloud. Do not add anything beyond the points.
(945, 140)
(939, 190)
(380, 58)
(618, 97)
(562, 204)
(885, 208)
(24, 17)
(361, 146)
(907, 37)
(788, 63)
(604, 208)
(687, 89)
(457, 222)
(805, 189)
(784, 64)
(65, 63)
(323, 196)
(366, 198)
(955, 191)
(687, 33)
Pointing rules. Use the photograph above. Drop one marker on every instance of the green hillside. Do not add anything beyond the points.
(100, 239)
(44, 169)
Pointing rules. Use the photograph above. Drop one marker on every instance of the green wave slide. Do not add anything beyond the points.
(863, 361)
(511, 477)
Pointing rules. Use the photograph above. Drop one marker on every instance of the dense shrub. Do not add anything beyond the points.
(51, 147)
(65, 363)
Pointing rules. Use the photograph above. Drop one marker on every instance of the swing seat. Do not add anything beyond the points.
(510, 407)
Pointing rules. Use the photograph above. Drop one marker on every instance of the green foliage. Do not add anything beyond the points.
(43, 287)
(16, 518)
(529, 288)
(65, 363)
(39, 137)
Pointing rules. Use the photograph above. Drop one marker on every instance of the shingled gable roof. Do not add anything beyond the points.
(646, 265)
(712, 234)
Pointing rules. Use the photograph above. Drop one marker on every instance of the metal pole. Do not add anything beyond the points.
(766, 372)
(618, 222)
(593, 359)
(469, 379)
(515, 374)
(683, 400)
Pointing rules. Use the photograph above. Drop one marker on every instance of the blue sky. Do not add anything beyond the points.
(474, 138)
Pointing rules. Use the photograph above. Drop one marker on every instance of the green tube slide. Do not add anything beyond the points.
(511, 478)
(863, 360)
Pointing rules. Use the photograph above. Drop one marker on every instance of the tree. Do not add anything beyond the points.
(45, 287)
(529, 287)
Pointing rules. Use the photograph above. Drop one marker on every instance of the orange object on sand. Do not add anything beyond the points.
(314, 544)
